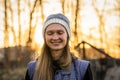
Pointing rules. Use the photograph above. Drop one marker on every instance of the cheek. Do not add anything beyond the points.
(47, 38)
(64, 38)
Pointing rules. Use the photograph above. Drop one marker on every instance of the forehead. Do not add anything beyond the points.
(55, 27)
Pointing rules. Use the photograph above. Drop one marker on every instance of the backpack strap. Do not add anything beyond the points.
(31, 69)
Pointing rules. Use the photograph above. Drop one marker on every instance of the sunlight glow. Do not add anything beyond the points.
(38, 35)
(47, 11)
(56, 7)
(89, 20)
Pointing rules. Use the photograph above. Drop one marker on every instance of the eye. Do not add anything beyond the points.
(49, 33)
(60, 32)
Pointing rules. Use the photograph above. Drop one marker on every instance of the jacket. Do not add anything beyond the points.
(75, 72)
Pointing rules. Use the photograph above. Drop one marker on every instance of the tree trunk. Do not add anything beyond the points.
(42, 13)
(12, 21)
(62, 3)
(6, 37)
(76, 18)
(30, 25)
(19, 24)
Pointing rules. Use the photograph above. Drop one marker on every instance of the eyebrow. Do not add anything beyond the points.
(55, 30)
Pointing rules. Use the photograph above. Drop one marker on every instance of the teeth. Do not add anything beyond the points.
(56, 41)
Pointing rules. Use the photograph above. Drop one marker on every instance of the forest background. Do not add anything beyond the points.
(94, 21)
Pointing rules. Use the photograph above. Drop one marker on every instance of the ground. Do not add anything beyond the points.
(12, 74)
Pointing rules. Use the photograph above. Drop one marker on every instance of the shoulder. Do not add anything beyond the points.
(80, 62)
(81, 66)
(31, 63)
(31, 68)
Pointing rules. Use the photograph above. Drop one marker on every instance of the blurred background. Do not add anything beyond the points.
(95, 27)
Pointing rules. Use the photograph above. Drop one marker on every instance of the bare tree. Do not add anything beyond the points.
(12, 21)
(6, 34)
(42, 13)
(30, 24)
(62, 3)
(19, 23)
(116, 33)
(76, 19)
(6, 37)
(100, 14)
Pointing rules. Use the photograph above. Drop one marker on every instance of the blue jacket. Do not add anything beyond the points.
(75, 72)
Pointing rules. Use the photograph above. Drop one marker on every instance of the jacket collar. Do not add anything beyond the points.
(69, 69)
(66, 70)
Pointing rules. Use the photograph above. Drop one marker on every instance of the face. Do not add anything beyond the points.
(56, 37)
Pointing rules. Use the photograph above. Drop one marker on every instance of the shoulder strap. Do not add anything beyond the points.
(81, 67)
(31, 69)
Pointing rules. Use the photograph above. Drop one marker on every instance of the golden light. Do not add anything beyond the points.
(1, 39)
(89, 20)
(49, 8)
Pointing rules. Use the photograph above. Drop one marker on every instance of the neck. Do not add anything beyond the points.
(56, 54)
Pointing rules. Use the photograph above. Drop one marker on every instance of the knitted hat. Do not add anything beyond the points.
(57, 18)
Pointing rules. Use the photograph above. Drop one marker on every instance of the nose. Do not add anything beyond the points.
(55, 36)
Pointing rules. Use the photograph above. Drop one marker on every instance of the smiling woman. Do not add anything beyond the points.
(56, 36)
(56, 60)
(56, 39)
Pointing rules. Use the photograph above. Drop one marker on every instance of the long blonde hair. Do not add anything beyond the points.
(44, 69)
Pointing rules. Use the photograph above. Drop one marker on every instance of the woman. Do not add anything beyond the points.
(56, 62)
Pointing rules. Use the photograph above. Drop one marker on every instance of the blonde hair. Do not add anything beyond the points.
(44, 69)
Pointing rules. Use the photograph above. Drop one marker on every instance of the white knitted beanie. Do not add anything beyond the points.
(57, 18)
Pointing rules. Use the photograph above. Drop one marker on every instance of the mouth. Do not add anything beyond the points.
(56, 43)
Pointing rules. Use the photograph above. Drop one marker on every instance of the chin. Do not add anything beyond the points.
(56, 49)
